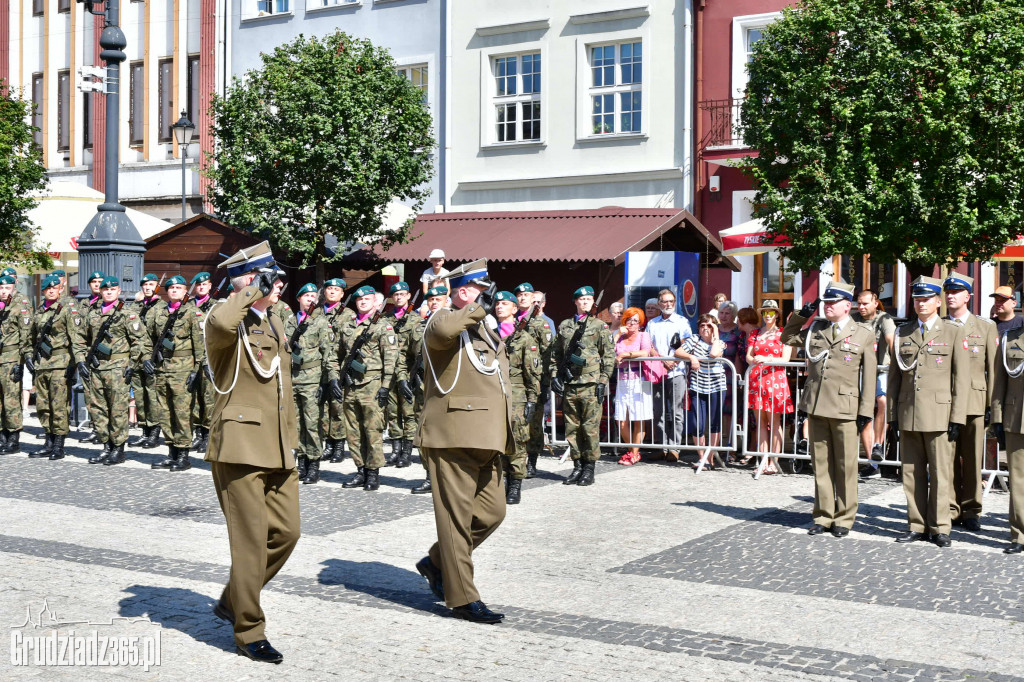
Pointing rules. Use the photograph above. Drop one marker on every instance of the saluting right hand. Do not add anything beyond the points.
(265, 282)
(810, 309)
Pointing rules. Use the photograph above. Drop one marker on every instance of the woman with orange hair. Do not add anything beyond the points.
(633, 404)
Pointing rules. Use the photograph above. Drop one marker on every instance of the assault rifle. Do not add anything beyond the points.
(300, 329)
(354, 358)
(43, 349)
(91, 360)
(572, 356)
(213, 294)
(408, 311)
(523, 322)
(166, 341)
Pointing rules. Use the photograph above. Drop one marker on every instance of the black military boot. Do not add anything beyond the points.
(138, 440)
(91, 438)
(577, 470)
(404, 452)
(181, 461)
(102, 457)
(58, 448)
(338, 453)
(372, 479)
(392, 457)
(422, 488)
(168, 461)
(152, 440)
(531, 465)
(587, 476)
(205, 442)
(197, 437)
(116, 455)
(302, 466)
(13, 442)
(358, 481)
(328, 452)
(312, 472)
(45, 450)
(514, 491)
(4, 435)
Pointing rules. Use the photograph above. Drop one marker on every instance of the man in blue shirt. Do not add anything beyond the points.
(670, 394)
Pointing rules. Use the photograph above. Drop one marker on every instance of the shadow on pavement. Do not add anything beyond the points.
(382, 581)
(184, 610)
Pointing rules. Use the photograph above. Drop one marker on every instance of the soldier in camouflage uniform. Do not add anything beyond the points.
(146, 410)
(544, 335)
(83, 306)
(312, 350)
(524, 373)
(176, 365)
(50, 361)
(402, 416)
(581, 378)
(113, 342)
(14, 346)
(332, 417)
(437, 298)
(366, 376)
(202, 403)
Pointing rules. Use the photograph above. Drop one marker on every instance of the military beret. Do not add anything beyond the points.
(307, 288)
(98, 274)
(398, 286)
(9, 271)
(364, 290)
(59, 273)
(958, 281)
(505, 296)
(201, 277)
(171, 281)
(6, 279)
(149, 277)
(437, 291)
(336, 282)
(583, 291)
(110, 281)
(49, 281)
(525, 286)
(231, 287)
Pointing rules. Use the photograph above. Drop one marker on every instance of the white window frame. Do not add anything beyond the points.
(429, 61)
(406, 70)
(586, 90)
(251, 10)
(740, 26)
(490, 98)
(319, 6)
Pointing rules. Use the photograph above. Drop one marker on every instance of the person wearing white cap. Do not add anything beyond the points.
(435, 272)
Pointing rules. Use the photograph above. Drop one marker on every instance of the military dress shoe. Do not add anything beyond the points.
(423, 488)
(432, 573)
(817, 529)
(223, 611)
(840, 532)
(477, 612)
(942, 540)
(1014, 548)
(972, 524)
(260, 651)
(912, 536)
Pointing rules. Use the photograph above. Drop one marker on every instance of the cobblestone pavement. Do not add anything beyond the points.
(653, 571)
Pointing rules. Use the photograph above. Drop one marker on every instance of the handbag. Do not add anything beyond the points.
(653, 372)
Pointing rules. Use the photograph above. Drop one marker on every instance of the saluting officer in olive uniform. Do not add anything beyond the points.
(366, 376)
(580, 375)
(312, 349)
(332, 415)
(49, 361)
(929, 381)
(1008, 419)
(146, 410)
(204, 397)
(841, 358)
(524, 373)
(544, 335)
(437, 298)
(969, 448)
(402, 416)
(176, 365)
(14, 347)
(114, 341)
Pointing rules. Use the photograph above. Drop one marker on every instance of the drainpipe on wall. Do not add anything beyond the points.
(698, 135)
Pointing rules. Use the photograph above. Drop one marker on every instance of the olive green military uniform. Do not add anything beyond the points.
(580, 406)
(52, 333)
(332, 415)
(364, 418)
(15, 344)
(203, 399)
(179, 338)
(832, 397)
(544, 335)
(126, 345)
(402, 416)
(1008, 410)
(524, 372)
(969, 449)
(924, 399)
(311, 351)
(146, 410)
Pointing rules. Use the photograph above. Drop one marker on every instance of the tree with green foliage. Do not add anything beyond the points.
(893, 128)
(319, 141)
(22, 180)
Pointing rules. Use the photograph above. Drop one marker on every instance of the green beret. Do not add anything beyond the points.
(364, 290)
(525, 286)
(307, 288)
(149, 277)
(6, 279)
(171, 281)
(59, 273)
(231, 287)
(201, 277)
(505, 296)
(8, 271)
(335, 282)
(583, 291)
(49, 281)
(110, 281)
(98, 274)
(437, 291)
(398, 286)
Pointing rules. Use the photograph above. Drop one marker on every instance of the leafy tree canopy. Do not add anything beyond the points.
(22, 178)
(890, 127)
(319, 141)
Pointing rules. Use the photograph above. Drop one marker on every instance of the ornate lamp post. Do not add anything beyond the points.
(183, 131)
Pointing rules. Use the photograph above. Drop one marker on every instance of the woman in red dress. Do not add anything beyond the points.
(769, 388)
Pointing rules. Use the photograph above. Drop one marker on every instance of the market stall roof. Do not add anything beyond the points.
(603, 234)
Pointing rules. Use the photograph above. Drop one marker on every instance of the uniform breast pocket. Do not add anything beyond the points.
(241, 414)
(939, 356)
(466, 403)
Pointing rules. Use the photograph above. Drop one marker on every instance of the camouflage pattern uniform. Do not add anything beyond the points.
(524, 372)
(50, 376)
(402, 416)
(312, 353)
(183, 353)
(146, 410)
(580, 405)
(202, 401)
(108, 396)
(332, 416)
(544, 335)
(14, 346)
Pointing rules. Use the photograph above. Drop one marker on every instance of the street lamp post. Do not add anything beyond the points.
(183, 131)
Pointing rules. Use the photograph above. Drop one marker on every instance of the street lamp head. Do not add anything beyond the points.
(183, 130)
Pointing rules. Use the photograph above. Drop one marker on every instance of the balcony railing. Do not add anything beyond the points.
(725, 130)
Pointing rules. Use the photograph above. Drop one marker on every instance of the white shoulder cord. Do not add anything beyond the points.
(807, 347)
(243, 340)
(1016, 371)
(430, 364)
(899, 360)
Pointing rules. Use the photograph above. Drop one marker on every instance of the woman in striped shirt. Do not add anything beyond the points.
(707, 382)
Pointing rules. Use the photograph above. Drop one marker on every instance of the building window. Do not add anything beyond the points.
(37, 108)
(264, 7)
(87, 121)
(165, 105)
(63, 113)
(331, 3)
(37, 7)
(616, 88)
(63, 5)
(137, 108)
(746, 32)
(193, 102)
(517, 92)
(418, 76)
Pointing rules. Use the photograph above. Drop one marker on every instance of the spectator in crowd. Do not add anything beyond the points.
(670, 393)
(541, 299)
(615, 321)
(749, 322)
(769, 387)
(435, 272)
(651, 308)
(719, 299)
(1005, 316)
(707, 383)
(633, 405)
(871, 312)
(734, 350)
